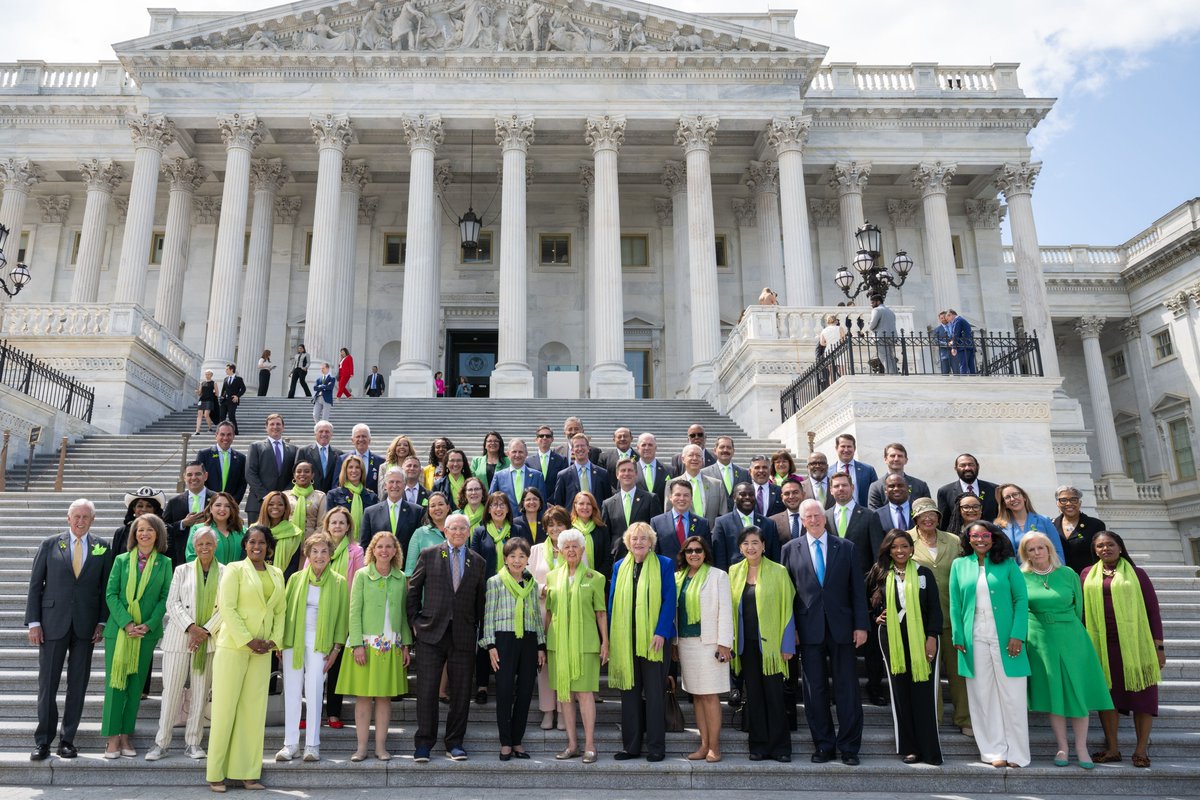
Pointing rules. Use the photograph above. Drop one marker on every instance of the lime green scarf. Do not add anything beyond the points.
(649, 601)
(300, 512)
(498, 538)
(127, 651)
(589, 548)
(333, 608)
(570, 615)
(356, 508)
(773, 598)
(1138, 655)
(520, 594)
(475, 517)
(287, 542)
(339, 562)
(914, 625)
(456, 485)
(206, 603)
(691, 601)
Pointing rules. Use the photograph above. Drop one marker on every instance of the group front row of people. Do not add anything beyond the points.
(1034, 637)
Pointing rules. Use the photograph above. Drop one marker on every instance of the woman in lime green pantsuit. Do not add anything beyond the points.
(137, 599)
(252, 600)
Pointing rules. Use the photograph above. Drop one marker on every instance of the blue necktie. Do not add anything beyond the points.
(795, 526)
(819, 563)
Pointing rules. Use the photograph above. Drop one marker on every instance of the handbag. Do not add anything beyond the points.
(674, 713)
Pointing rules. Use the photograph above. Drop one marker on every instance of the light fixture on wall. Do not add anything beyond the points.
(876, 279)
(469, 224)
(20, 273)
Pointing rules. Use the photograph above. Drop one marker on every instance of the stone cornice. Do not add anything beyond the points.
(1077, 285)
(1186, 247)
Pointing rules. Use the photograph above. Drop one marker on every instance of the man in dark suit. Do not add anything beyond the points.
(728, 473)
(816, 483)
(897, 511)
(962, 343)
(184, 510)
(374, 385)
(581, 475)
(787, 522)
(861, 475)
(571, 427)
(629, 503)
(546, 461)
(226, 467)
(392, 513)
(831, 621)
(967, 468)
(766, 494)
(708, 498)
(678, 523)
(729, 526)
(232, 389)
(65, 613)
(895, 455)
(941, 335)
(360, 437)
(415, 493)
(445, 607)
(652, 474)
(323, 456)
(622, 448)
(696, 436)
(269, 465)
(518, 476)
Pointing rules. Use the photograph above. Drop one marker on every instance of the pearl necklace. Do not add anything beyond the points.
(1045, 583)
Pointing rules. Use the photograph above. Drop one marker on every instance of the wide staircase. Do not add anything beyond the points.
(103, 468)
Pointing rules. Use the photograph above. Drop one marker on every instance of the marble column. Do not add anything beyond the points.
(763, 180)
(1016, 181)
(674, 178)
(413, 376)
(185, 176)
(152, 133)
(933, 179)
(788, 135)
(242, 133)
(267, 177)
(443, 176)
(745, 213)
(102, 176)
(848, 179)
(1109, 448)
(610, 378)
(512, 376)
(17, 177)
(695, 134)
(354, 180)
(587, 219)
(332, 134)
(46, 247)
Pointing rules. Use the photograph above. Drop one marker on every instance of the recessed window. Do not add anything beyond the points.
(1131, 454)
(395, 248)
(956, 246)
(246, 250)
(76, 238)
(1116, 365)
(635, 250)
(23, 248)
(722, 251)
(1181, 449)
(555, 249)
(1164, 348)
(308, 248)
(156, 247)
(482, 254)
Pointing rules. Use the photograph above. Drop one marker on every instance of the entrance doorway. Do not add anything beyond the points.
(471, 353)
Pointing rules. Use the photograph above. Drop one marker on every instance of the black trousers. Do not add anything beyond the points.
(229, 412)
(915, 711)
(483, 668)
(644, 709)
(842, 666)
(873, 661)
(459, 665)
(76, 653)
(333, 700)
(515, 680)
(766, 718)
(299, 376)
(264, 382)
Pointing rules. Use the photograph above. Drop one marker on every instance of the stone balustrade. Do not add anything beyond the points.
(40, 77)
(849, 79)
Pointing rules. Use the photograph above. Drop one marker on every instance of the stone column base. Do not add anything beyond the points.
(512, 381)
(411, 380)
(611, 382)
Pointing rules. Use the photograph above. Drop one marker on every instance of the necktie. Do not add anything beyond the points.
(324, 461)
(585, 480)
(394, 507)
(795, 526)
(544, 457)
(628, 500)
(195, 504)
(679, 531)
(77, 556)
(697, 497)
(519, 482)
(278, 456)
(901, 522)
(455, 569)
(762, 504)
(224, 468)
(648, 469)
(819, 491)
(819, 563)
(727, 473)
(841, 523)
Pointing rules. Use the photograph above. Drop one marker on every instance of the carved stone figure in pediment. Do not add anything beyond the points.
(475, 21)
(685, 42)
(373, 30)
(637, 38)
(406, 29)
(261, 39)
(616, 44)
(322, 37)
(565, 35)
(531, 31)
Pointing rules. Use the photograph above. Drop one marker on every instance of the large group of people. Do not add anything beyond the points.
(535, 568)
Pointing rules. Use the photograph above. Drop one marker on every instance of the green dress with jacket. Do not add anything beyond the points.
(382, 634)
(1010, 609)
(121, 705)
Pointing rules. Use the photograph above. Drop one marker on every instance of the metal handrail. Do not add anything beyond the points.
(21, 371)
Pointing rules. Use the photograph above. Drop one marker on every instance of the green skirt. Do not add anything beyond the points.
(383, 675)
(1065, 677)
(588, 681)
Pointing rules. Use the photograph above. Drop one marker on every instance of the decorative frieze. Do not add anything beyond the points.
(287, 209)
(54, 207)
(902, 213)
(984, 213)
(824, 212)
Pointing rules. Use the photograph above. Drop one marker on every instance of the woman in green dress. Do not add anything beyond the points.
(432, 530)
(1065, 678)
(577, 640)
(277, 516)
(222, 516)
(137, 600)
(493, 458)
(379, 638)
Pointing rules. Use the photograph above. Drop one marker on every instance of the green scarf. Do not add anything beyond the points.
(339, 562)
(332, 610)
(912, 621)
(498, 537)
(571, 615)
(773, 597)
(356, 509)
(300, 512)
(589, 548)
(127, 651)
(778, 479)
(691, 604)
(206, 604)
(456, 485)
(287, 542)
(1138, 654)
(649, 601)
(519, 593)
(474, 517)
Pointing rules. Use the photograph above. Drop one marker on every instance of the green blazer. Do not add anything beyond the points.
(591, 583)
(246, 612)
(1010, 608)
(479, 467)
(369, 593)
(154, 599)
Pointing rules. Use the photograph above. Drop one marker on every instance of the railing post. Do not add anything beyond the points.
(62, 463)
(1037, 355)
(4, 462)
(3, 357)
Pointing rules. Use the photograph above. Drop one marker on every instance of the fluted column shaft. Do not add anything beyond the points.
(675, 179)
(1107, 443)
(185, 175)
(1016, 181)
(332, 134)
(764, 182)
(267, 176)
(242, 133)
(18, 176)
(849, 178)
(442, 178)
(151, 134)
(933, 179)
(512, 376)
(354, 180)
(695, 135)
(102, 177)
(788, 136)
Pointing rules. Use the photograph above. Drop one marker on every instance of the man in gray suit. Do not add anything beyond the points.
(883, 327)
(269, 466)
(895, 455)
(708, 496)
(65, 613)
(728, 473)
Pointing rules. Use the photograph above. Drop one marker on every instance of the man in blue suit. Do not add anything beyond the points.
(226, 467)
(861, 475)
(679, 520)
(581, 475)
(545, 460)
(831, 621)
(962, 343)
(745, 514)
(519, 476)
(941, 335)
(360, 437)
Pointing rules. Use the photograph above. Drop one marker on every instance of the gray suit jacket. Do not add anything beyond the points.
(716, 502)
(62, 603)
(263, 477)
(740, 475)
(883, 321)
(877, 498)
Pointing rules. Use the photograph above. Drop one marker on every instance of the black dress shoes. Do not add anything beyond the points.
(850, 760)
(654, 758)
(877, 697)
(67, 750)
(783, 758)
(622, 755)
(822, 757)
(736, 700)
(40, 753)
(756, 756)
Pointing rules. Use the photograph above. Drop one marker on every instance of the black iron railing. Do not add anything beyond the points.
(982, 353)
(23, 372)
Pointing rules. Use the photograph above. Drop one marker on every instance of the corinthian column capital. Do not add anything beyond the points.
(354, 176)
(605, 133)
(849, 176)
(332, 130)
(102, 173)
(184, 173)
(763, 177)
(423, 131)
(696, 132)
(788, 133)
(241, 130)
(674, 176)
(268, 173)
(1089, 327)
(1017, 177)
(984, 213)
(19, 173)
(514, 132)
(150, 130)
(933, 177)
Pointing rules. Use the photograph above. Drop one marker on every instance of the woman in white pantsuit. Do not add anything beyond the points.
(989, 616)
(192, 621)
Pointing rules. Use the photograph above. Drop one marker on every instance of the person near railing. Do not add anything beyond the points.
(206, 405)
(941, 335)
(831, 335)
(882, 325)
(962, 342)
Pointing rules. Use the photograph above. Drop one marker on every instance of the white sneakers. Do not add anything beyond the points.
(312, 754)
(285, 754)
(155, 753)
(195, 752)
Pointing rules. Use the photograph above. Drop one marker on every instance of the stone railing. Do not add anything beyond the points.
(1076, 257)
(39, 77)
(1149, 491)
(848, 79)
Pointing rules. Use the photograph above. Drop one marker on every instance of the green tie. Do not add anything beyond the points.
(394, 507)
(728, 473)
(747, 521)
(195, 504)
(628, 503)
(519, 481)
(585, 482)
(697, 497)
(224, 468)
(649, 470)
(841, 523)
(544, 457)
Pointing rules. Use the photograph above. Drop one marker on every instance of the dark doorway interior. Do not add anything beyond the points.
(473, 354)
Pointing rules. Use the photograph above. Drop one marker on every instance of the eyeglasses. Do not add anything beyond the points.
(1068, 501)
(545, 436)
(696, 435)
(693, 551)
(971, 507)
(979, 537)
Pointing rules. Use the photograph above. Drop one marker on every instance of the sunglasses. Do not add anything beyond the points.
(693, 551)
(545, 436)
